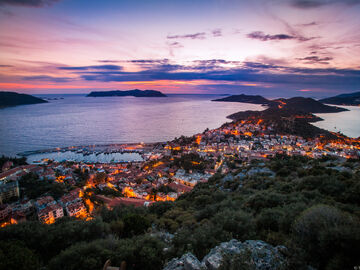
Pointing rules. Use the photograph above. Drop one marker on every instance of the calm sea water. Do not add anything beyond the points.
(79, 120)
(347, 122)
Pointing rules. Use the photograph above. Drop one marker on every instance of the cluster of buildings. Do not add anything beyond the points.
(160, 177)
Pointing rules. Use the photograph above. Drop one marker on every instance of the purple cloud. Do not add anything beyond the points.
(216, 32)
(309, 4)
(263, 37)
(28, 3)
(96, 67)
(316, 60)
(200, 35)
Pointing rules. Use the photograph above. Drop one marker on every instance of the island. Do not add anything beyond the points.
(9, 99)
(351, 99)
(299, 104)
(133, 93)
(245, 99)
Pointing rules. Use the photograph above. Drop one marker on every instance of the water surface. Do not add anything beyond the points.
(347, 122)
(79, 120)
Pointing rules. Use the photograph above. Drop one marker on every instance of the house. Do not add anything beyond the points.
(51, 213)
(5, 211)
(7, 165)
(76, 209)
(8, 190)
(42, 202)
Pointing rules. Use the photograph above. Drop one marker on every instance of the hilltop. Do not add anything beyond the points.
(8, 99)
(352, 99)
(133, 93)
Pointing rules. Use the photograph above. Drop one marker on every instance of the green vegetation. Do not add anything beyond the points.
(310, 206)
(32, 187)
(16, 161)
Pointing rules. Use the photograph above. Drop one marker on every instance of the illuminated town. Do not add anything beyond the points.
(167, 171)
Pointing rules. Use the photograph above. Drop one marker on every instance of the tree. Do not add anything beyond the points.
(15, 255)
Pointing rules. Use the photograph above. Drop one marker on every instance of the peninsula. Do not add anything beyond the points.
(299, 104)
(133, 93)
(351, 99)
(9, 99)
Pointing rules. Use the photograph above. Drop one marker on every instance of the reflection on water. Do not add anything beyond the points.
(92, 158)
(347, 122)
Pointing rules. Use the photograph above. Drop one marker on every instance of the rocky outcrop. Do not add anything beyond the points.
(251, 254)
(187, 262)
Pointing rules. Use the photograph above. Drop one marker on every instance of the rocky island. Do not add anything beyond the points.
(125, 93)
(352, 99)
(9, 99)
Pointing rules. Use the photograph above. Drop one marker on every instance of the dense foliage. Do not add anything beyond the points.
(310, 206)
(16, 161)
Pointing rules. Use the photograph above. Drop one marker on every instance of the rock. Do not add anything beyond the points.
(187, 262)
(213, 260)
(263, 171)
(228, 178)
(240, 176)
(255, 253)
(265, 256)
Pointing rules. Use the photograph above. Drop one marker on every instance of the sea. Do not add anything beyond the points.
(77, 120)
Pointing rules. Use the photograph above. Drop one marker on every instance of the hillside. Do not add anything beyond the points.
(133, 93)
(8, 99)
(307, 105)
(352, 99)
(309, 208)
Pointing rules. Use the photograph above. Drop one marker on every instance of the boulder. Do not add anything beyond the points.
(187, 262)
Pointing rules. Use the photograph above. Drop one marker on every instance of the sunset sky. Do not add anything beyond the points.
(273, 47)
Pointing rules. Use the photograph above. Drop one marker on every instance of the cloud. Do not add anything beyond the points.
(200, 35)
(47, 78)
(4, 66)
(316, 60)
(216, 32)
(308, 24)
(263, 37)
(249, 72)
(96, 67)
(28, 3)
(310, 4)
(173, 46)
(108, 61)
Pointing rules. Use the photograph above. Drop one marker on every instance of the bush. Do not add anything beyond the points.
(328, 234)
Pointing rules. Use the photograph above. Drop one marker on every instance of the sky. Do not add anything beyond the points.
(267, 47)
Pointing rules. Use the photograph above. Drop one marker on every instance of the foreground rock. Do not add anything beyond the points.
(251, 254)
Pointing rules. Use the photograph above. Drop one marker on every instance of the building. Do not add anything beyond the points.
(5, 211)
(50, 213)
(76, 209)
(8, 190)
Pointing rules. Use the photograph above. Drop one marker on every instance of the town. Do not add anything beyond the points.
(50, 190)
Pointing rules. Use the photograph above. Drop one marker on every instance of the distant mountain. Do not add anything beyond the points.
(134, 93)
(352, 99)
(307, 105)
(246, 99)
(8, 99)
